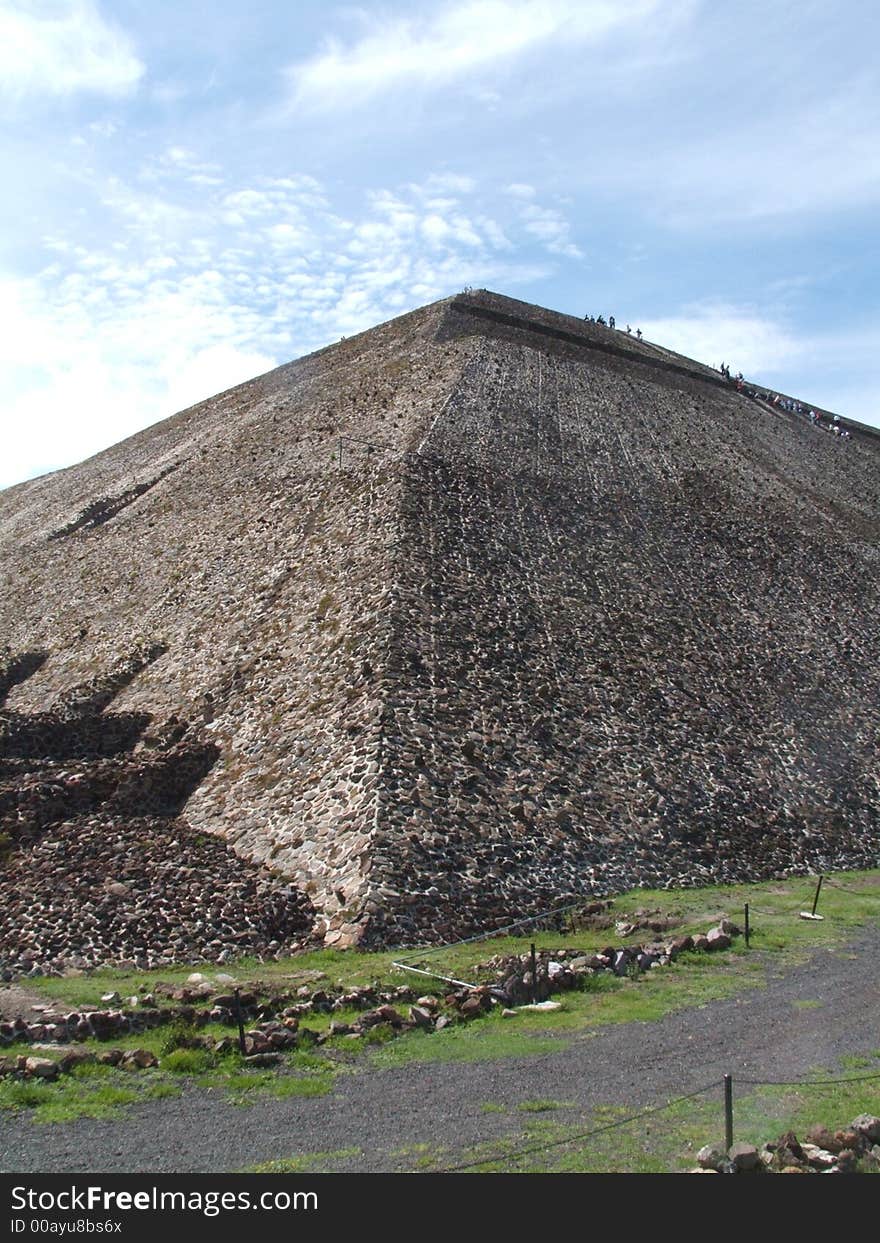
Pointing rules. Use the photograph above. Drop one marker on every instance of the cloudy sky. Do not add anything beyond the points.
(198, 190)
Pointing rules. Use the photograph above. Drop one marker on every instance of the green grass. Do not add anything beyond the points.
(244, 1090)
(669, 1140)
(95, 1090)
(542, 1107)
(300, 1074)
(24, 1094)
(188, 1061)
(854, 1062)
(90, 1091)
(306, 1162)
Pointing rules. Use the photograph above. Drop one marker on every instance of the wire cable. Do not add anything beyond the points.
(570, 1139)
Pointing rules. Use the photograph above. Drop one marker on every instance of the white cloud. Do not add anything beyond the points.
(823, 367)
(745, 338)
(551, 228)
(56, 48)
(459, 39)
(188, 295)
(69, 390)
(446, 183)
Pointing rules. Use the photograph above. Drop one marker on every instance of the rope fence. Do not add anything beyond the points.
(859, 893)
(408, 961)
(548, 916)
(552, 916)
(807, 1083)
(572, 1139)
(726, 1083)
(527, 921)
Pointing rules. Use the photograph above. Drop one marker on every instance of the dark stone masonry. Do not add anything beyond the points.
(480, 610)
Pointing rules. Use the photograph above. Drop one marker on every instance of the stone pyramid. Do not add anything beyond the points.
(480, 610)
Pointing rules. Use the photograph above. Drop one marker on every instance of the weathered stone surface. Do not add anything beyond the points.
(710, 1157)
(256, 1042)
(42, 1067)
(867, 1125)
(841, 1152)
(449, 621)
(823, 1138)
(140, 1059)
(680, 945)
(75, 1057)
(262, 1059)
(847, 1161)
(744, 1157)
(818, 1158)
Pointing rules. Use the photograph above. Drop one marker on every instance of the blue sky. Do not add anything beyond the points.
(196, 192)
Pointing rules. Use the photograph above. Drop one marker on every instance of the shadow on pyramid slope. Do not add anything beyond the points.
(480, 609)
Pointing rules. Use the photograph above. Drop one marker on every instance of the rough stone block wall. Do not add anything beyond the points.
(633, 639)
(482, 608)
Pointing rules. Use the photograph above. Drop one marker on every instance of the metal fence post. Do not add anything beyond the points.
(747, 929)
(238, 1015)
(816, 898)
(728, 1112)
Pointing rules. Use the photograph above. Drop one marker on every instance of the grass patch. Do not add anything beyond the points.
(188, 1061)
(24, 1094)
(542, 1107)
(861, 1061)
(668, 1141)
(306, 1162)
(97, 1090)
(90, 1091)
(245, 1087)
(284, 1086)
(421, 1156)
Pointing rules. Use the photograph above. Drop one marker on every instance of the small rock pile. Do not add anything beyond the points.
(851, 1150)
(49, 1069)
(569, 969)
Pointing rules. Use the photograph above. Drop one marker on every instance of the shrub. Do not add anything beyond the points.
(181, 1035)
(189, 1061)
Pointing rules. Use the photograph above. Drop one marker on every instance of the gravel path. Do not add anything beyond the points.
(760, 1034)
(16, 999)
